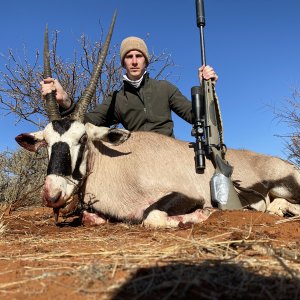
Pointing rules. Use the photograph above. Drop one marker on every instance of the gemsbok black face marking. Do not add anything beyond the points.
(60, 160)
(62, 126)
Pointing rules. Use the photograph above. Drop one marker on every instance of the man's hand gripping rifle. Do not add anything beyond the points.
(207, 129)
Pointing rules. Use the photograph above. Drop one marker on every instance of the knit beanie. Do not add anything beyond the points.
(133, 43)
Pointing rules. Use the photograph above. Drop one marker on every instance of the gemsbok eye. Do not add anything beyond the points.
(83, 139)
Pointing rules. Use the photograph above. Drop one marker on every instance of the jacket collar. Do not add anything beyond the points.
(127, 86)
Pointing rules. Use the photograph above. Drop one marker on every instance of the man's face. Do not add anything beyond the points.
(135, 64)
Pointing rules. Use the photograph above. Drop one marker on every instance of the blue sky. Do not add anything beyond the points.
(253, 45)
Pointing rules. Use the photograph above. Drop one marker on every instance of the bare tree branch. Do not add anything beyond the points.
(290, 115)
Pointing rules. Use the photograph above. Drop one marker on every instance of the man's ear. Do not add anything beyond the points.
(31, 141)
(114, 136)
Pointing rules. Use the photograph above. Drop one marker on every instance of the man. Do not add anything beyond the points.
(143, 103)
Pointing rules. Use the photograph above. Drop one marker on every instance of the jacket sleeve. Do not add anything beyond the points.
(66, 111)
(180, 104)
(103, 114)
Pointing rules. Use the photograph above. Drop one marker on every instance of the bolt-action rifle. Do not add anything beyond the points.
(207, 129)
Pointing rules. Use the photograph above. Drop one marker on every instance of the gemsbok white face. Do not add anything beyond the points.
(67, 144)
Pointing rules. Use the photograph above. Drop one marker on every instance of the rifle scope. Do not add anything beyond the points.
(198, 129)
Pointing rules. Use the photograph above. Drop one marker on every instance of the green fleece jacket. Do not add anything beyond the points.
(147, 108)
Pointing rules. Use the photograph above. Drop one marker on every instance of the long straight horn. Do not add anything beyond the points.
(89, 91)
(51, 106)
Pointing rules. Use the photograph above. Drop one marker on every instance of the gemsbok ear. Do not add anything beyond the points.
(117, 136)
(113, 136)
(31, 141)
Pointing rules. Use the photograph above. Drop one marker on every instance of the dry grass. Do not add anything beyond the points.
(119, 261)
(3, 227)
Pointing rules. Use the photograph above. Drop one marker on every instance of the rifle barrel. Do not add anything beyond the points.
(201, 24)
(200, 13)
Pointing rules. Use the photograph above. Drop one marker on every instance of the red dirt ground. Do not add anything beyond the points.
(232, 255)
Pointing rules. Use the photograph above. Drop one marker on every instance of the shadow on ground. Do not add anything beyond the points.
(208, 280)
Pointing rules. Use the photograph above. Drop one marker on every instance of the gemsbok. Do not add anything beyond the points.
(143, 176)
